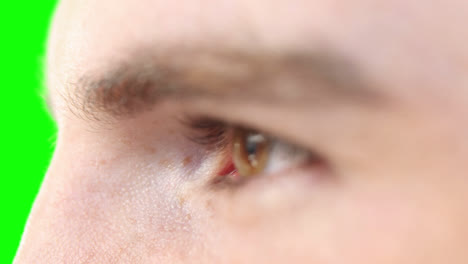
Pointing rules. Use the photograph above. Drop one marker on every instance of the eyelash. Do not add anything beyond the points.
(208, 132)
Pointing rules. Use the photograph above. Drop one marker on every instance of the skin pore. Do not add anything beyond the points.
(375, 89)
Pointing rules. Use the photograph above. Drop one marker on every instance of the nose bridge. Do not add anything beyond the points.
(75, 216)
(55, 224)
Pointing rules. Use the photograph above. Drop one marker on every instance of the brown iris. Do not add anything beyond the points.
(250, 152)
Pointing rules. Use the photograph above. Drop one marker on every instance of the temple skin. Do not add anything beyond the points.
(133, 188)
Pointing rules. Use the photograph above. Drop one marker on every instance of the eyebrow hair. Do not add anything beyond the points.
(139, 83)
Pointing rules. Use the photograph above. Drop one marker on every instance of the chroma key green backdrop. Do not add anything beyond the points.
(27, 131)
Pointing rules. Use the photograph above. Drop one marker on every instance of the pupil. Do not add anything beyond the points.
(251, 147)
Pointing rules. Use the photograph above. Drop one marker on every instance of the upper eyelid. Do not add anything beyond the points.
(215, 134)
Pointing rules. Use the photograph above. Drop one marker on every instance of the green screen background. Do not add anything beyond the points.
(27, 132)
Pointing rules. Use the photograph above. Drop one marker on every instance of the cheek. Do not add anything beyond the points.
(108, 209)
(398, 224)
(361, 225)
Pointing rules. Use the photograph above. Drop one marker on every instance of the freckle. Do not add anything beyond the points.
(102, 162)
(187, 161)
(209, 205)
(152, 150)
(163, 162)
(181, 200)
(125, 141)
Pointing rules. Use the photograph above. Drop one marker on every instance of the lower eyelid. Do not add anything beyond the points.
(284, 158)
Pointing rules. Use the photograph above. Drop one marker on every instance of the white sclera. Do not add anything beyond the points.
(284, 156)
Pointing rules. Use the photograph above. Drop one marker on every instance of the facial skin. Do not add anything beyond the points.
(128, 185)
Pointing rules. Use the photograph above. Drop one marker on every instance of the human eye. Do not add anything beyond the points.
(246, 154)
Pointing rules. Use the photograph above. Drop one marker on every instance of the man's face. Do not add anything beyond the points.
(256, 132)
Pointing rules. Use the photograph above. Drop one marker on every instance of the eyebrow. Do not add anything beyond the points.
(138, 83)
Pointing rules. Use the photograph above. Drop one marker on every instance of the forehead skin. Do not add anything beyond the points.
(386, 38)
